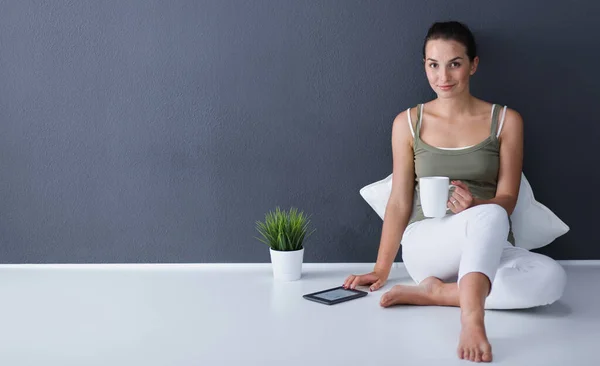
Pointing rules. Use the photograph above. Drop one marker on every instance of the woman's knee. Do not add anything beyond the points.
(490, 215)
(492, 211)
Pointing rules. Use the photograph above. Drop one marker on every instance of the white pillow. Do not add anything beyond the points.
(533, 224)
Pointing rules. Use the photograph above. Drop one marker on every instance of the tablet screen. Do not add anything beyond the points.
(335, 294)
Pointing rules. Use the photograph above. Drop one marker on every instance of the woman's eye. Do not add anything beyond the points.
(433, 66)
(455, 64)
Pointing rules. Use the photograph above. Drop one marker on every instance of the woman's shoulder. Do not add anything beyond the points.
(510, 122)
(404, 124)
(410, 113)
(506, 112)
(512, 114)
(489, 105)
(407, 116)
(509, 119)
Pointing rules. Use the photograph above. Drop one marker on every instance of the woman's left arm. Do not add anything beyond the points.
(511, 163)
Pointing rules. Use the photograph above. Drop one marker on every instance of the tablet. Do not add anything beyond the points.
(335, 295)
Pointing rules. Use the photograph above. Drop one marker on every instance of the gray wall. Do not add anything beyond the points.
(160, 131)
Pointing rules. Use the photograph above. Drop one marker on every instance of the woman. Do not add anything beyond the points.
(466, 258)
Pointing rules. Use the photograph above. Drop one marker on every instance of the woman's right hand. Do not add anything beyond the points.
(374, 279)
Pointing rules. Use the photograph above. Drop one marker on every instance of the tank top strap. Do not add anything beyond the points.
(419, 119)
(495, 115)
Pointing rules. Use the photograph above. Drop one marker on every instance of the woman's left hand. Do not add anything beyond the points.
(461, 198)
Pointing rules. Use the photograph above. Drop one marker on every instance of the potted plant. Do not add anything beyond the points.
(284, 232)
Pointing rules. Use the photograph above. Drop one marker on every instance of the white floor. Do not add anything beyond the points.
(237, 315)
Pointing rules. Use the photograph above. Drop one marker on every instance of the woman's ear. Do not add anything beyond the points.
(474, 65)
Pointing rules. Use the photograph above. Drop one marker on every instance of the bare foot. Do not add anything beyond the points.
(474, 345)
(431, 291)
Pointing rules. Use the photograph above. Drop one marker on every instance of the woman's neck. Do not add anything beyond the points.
(460, 105)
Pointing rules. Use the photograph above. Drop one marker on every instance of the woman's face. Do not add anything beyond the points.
(448, 67)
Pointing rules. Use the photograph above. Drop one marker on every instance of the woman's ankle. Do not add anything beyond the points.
(472, 315)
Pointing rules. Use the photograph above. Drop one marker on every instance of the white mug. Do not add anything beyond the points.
(433, 192)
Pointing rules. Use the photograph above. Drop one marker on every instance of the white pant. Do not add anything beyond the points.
(475, 240)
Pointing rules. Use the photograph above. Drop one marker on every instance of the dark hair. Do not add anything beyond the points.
(455, 31)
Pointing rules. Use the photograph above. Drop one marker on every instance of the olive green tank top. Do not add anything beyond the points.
(477, 166)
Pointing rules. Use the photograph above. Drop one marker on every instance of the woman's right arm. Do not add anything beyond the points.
(398, 209)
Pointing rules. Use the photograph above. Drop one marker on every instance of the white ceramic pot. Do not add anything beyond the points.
(287, 265)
